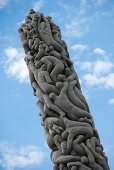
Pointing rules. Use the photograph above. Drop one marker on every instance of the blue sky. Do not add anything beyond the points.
(87, 27)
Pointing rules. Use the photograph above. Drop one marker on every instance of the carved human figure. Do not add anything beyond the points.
(71, 110)
(44, 98)
(56, 124)
(71, 94)
(28, 57)
(55, 35)
(78, 165)
(23, 39)
(91, 159)
(31, 13)
(58, 66)
(46, 35)
(79, 130)
(43, 79)
(69, 76)
(54, 27)
(36, 44)
(35, 22)
(56, 127)
(67, 158)
(98, 157)
(49, 139)
(45, 111)
(41, 50)
(78, 149)
(81, 97)
(54, 53)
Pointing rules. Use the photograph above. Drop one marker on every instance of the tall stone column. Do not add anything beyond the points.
(68, 125)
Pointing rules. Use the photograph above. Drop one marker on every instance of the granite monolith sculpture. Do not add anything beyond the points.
(65, 116)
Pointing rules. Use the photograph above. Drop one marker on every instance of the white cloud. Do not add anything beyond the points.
(77, 27)
(87, 65)
(78, 47)
(3, 3)
(105, 81)
(99, 51)
(15, 65)
(111, 101)
(100, 73)
(12, 157)
(97, 67)
(38, 5)
(92, 79)
(12, 53)
(110, 80)
(102, 67)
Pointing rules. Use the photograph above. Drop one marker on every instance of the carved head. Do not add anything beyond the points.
(34, 85)
(31, 11)
(38, 64)
(52, 96)
(44, 67)
(20, 30)
(51, 48)
(84, 159)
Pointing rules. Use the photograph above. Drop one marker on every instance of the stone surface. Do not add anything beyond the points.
(68, 125)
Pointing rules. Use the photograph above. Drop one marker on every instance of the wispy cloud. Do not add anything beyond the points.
(63, 5)
(105, 13)
(84, 6)
(99, 51)
(56, 15)
(4, 37)
(78, 47)
(3, 3)
(38, 5)
(77, 27)
(111, 101)
(80, 9)
(15, 66)
(99, 2)
(109, 149)
(81, 23)
(12, 157)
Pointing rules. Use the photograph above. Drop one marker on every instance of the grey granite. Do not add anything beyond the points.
(65, 116)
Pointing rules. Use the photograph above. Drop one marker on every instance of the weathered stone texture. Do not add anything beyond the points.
(68, 125)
